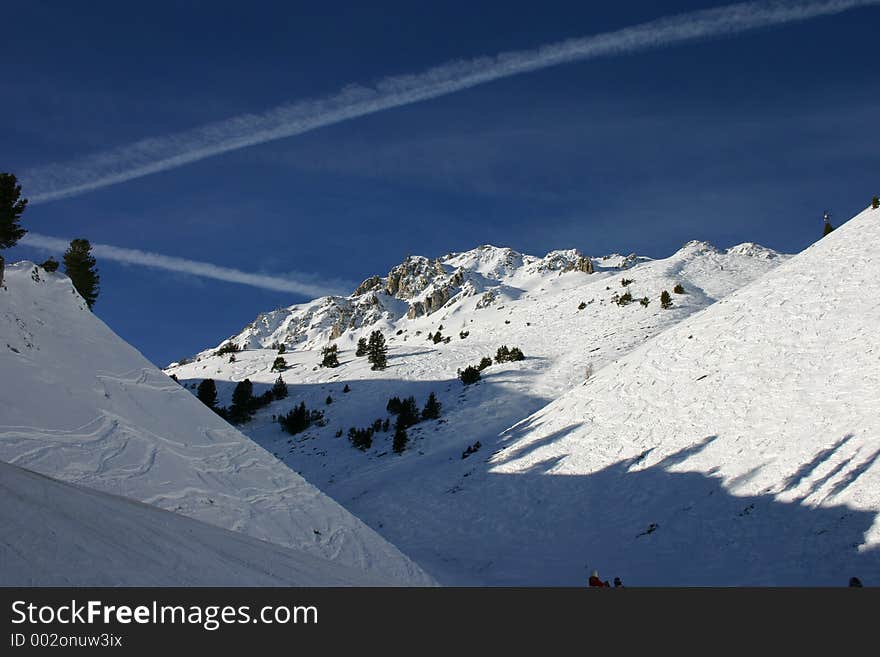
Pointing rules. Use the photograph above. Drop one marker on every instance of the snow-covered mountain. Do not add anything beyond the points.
(566, 312)
(57, 534)
(80, 405)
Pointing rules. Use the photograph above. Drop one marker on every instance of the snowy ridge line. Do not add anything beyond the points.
(157, 154)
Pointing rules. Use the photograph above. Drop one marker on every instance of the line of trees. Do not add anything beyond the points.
(79, 263)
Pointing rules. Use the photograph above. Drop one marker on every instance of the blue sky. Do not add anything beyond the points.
(743, 138)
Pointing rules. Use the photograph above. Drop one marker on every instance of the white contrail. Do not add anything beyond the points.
(161, 153)
(194, 267)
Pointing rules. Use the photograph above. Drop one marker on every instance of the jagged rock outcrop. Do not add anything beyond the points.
(369, 285)
(412, 276)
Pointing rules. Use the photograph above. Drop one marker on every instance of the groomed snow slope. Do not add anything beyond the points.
(748, 435)
(79, 404)
(57, 534)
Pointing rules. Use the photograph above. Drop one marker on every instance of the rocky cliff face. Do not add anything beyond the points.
(416, 287)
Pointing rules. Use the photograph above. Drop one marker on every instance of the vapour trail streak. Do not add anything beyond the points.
(157, 154)
(185, 266)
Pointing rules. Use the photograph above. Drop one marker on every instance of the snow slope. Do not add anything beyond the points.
(57, 534)
(749, 434)
(439, 508)
(79, 404)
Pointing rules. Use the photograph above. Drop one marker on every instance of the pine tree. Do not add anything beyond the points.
(298, 419)
(400, 439)
(281, 348)
(207, 393)
(11, 208)
(79, 265)
(678, 289)
(279, 364)
(329, 400)
(431, 411)
(50, 265)
(242, 401)
(828, 227)
(875, 202)
(469, 375)
(377, 352)
(665, 300)
(361, 348)
(330, 356)
(279, 390)
(409, 412)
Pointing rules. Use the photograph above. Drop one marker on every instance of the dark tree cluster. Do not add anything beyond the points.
(665, 300)
(469, 375)
(228, 348)
(624, 299)
(505, 355)
(330, 356)
(244, 403)
(51, 265)
(299, 418)
(471, 449)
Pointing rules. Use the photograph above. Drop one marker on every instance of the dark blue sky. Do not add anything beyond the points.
(745, 138)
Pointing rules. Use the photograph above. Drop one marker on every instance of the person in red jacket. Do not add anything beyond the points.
(595, 581)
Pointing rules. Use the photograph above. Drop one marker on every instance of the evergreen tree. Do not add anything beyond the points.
(50, 265)
(329, 400)
(431, 411)
(377, 352)
(346, 388)
(361, 348)
(485, 362)
(409, 412)
(400, 439)
(330, 356)
(281, 348)
(279, 364)
(297, 420)
(79, 265)
(665, 300)
(207, 393)
(678, 289)
(242, 402)
(828, 227)
(875, 202)
(279, 390)
(469, 375)
(393, 405)
(11, 208)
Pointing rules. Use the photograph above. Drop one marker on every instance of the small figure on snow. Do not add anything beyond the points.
(595, 581)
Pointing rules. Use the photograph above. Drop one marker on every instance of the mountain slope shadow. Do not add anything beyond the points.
(651, 526)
